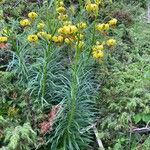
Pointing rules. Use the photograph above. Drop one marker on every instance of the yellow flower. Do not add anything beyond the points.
(61, 3)
(61, 9)
(41, 26)
(32, 38)
(80, 44)
(58, 39)
(60, 30)
(113, 22)
(3, 39)
(48, 36)
(82, 25)
(98, 2)
(70, 29)
(98, 54)
(106, 26)
(32, 15)
(98, 48)
(63, 17)
(100, 43)
(111, 42)
(67, 23)
(92, 8)
(102, 27)
(68, 40)
(25, 22)
(42, 34)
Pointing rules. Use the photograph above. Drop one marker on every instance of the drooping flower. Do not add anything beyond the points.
(25, 22)
(32, 15)
(102, 27)
(92, 8)
(98, 54)
(57, 39)
(3, 39)
(32, 38)
(98, 48)
(111, 42)
(113, 22)
(42, 34)
(68, 29)
(68, 40)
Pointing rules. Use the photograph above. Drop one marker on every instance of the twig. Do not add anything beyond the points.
(141, 130)
(99, 142)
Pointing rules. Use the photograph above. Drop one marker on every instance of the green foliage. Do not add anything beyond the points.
(37, 76)
(20, 137)
(125, 94)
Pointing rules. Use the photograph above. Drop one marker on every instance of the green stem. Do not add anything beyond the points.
(93, 40)
(74, 87)
(44, 79)
(46, 60)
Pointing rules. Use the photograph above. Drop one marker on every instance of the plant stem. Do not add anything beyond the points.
(46, 61)
(74, 88)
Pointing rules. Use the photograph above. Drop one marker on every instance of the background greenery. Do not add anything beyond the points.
(123, 100)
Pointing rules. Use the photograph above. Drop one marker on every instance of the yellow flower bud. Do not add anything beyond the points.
(68, 40)
(63, 17)
(60, 30)
(67, 23)
(82, 25)
(80, 44)
(79, 37)
(48, 36)
(41, 26)
(42, 34)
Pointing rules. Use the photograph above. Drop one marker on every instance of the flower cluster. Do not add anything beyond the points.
(73, 34)
(92, 8)
(98, 49)
(26, 22)
(104, 27)
(61, 10)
